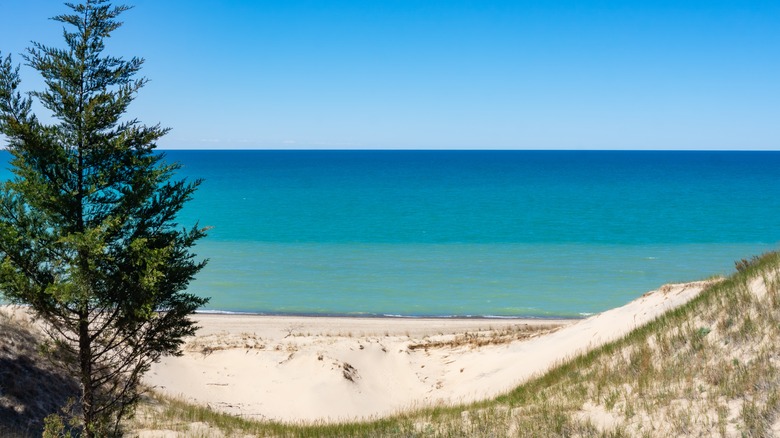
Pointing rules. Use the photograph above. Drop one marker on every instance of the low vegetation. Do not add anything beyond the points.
(492, 337)
(709, 368)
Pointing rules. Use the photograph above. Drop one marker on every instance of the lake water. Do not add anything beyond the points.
(471, 233)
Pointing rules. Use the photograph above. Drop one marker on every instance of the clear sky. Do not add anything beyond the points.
(433, 74)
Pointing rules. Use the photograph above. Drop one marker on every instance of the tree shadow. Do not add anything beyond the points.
(31, 386)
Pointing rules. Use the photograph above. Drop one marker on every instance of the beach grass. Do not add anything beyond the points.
(708, 368)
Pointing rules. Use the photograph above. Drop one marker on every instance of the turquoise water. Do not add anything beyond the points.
(442, 233)
(480, 233)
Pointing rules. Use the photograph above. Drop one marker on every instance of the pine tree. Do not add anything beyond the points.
(88, 232)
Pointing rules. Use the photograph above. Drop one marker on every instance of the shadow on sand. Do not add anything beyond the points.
(31, 387)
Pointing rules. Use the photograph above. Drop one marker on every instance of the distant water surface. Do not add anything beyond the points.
(480, 233)
(502, 233)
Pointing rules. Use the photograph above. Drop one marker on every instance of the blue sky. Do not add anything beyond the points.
(445, 74)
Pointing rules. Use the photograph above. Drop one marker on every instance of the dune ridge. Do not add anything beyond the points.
(317, 369)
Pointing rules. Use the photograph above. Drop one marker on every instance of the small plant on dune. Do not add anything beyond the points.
(743, 265)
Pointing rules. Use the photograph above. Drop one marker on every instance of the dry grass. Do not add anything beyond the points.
(478, 339)
(209, 344)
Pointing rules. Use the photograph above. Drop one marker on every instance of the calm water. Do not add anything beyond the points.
(520, 233)
(472, 233)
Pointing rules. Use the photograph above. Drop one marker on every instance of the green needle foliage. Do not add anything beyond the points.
(88, 232)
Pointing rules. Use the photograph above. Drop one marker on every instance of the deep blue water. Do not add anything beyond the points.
(503, 233)
(402, 197)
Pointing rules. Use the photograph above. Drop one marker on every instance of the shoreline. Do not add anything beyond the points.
(348, 316)
(393, 316)
(298, 326)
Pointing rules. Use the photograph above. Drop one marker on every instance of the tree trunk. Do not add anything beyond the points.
(85, 362)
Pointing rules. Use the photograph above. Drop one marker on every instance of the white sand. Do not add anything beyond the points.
(328, 369)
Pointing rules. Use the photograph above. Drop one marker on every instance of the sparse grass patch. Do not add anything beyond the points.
(489, 337)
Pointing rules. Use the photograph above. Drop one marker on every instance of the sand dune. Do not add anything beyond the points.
(329, 369)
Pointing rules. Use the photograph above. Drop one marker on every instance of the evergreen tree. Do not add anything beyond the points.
(88, 232)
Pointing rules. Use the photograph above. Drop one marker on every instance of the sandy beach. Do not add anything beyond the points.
(319, 369)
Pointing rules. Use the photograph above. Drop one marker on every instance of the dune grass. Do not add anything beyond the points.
(708, 368)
